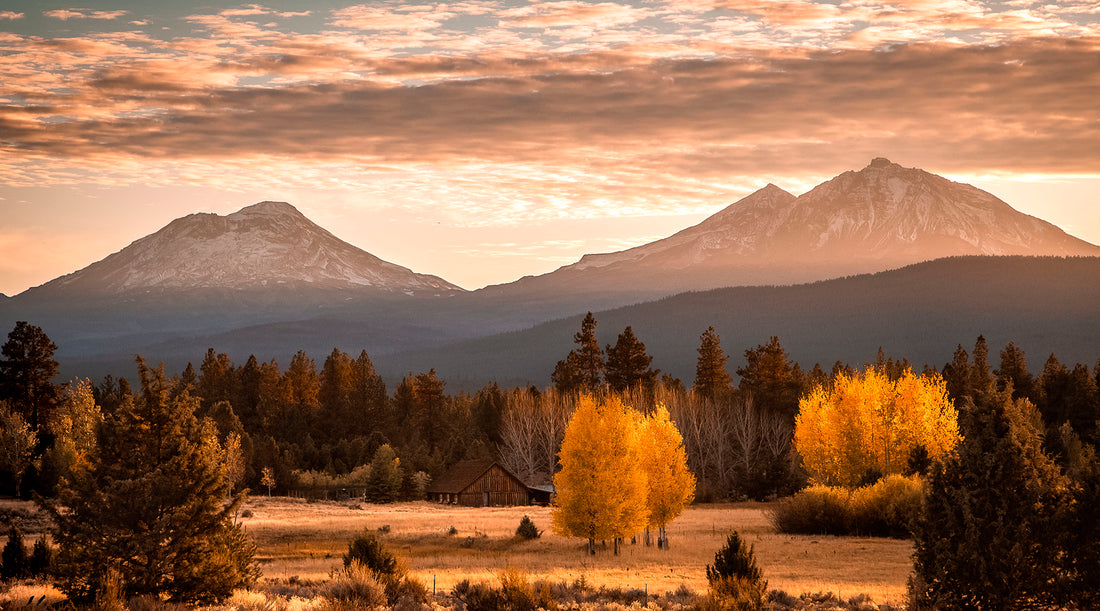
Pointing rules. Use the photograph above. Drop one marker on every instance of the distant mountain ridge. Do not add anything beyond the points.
(881, 217)
(265, 244)
(267, 280)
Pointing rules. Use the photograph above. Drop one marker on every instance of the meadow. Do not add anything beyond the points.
(304, 541)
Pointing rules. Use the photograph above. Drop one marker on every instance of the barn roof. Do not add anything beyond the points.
(462, 474)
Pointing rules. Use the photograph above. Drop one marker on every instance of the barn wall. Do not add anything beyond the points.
(503, 489)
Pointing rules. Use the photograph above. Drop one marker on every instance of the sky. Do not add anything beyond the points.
(484, 140)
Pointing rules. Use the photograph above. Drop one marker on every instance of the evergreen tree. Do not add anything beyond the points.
(151, 508)
(14, 563)
(981, 379)
(384, 482)
(628, 364)
(26, 374)
(769, 377)
(736, 581)
(1080, 533)
(1013, 370)
(582, 368)
(957, 376)
(489, 405)
(712, 381)
(217, 381)
(987, 538)
(40, 562)
(369, 399)
(336, 396)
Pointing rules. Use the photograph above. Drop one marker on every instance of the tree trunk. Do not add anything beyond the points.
(591, 547)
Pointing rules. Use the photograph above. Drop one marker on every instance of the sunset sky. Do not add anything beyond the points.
(488, 139)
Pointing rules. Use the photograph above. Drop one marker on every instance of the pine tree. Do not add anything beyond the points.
(628, 364)
(769, 377)
(582, 368)
(152, 507)
(14, 563)
(1013, 370)
(957, 376)
(384, 482)
(712, 381)
(600, 490)
(987, 538)
(670, 485)
(217, 380)
(26, 374)
(736, 581)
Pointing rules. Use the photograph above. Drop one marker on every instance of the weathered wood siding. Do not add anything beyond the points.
(494, 489)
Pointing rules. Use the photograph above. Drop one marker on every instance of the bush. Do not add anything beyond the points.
(735, 580)
(356, 584)
(368, 551)
(735, 593)
(818, 510)
(527, 529)
(41, 560)
(887, 508)
(13, 560)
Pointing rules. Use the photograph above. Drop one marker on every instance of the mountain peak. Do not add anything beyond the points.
(268, 208)
(265, 244)
(881, 162)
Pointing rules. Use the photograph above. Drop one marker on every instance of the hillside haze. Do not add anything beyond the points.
(266, 244)
(881, 217)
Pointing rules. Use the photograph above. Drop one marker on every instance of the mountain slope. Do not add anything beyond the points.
(881, 217)
(922, 311)
(266, 244)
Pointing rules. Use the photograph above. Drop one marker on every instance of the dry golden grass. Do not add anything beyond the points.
(307, 540)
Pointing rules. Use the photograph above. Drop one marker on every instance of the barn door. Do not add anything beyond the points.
(486, 502)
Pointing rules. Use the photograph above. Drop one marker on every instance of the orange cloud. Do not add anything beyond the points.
(80, 13)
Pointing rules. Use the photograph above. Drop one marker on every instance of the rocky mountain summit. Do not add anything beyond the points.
(881, 217)
(264, 245)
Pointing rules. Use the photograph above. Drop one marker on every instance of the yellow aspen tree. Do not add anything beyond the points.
(600, 491)
(670, 484)
(868, 423)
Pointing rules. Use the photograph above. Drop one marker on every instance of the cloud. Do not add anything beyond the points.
(81, 13)
(10, 15)
(572, 13)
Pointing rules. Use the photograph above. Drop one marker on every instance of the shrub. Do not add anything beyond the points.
(368, 551)
(886, 508)
(818, 510)
(41, 560)
(356, 584)
(527, 529)
(735, 580)
(13, 560)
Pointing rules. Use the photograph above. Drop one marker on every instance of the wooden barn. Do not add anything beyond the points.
(479, 483)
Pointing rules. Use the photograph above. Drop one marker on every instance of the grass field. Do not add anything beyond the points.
(307, 540)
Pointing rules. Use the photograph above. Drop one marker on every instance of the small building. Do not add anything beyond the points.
(479, 483)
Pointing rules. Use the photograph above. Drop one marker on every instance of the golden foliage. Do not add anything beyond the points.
(869, 423)
(671, 486)
(600, 492)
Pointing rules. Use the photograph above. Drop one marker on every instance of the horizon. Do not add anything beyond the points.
(483, 141)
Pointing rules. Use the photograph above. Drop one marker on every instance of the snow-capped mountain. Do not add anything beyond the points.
(881, 217)
(267, 244)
